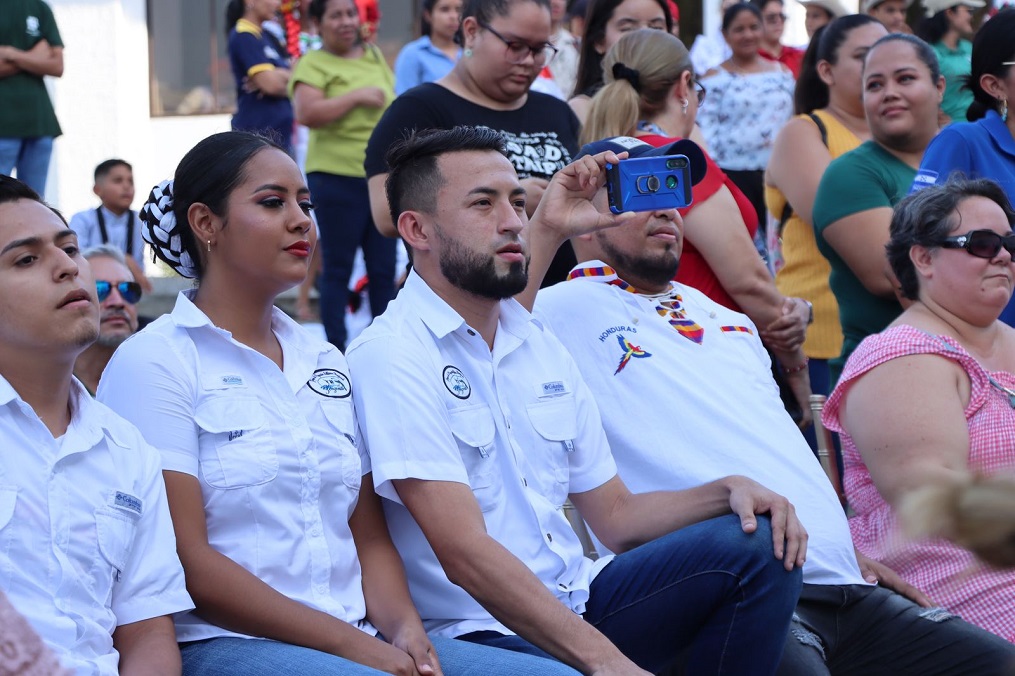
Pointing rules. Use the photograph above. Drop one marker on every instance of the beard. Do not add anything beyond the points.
(475, 273)
(111, 340)
(656, 270)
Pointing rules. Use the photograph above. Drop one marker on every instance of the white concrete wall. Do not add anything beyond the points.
(102, 102)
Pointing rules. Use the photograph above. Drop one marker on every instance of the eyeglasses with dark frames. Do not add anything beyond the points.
(981, 243)
(130, 292)
(775, 18)
(517, 51)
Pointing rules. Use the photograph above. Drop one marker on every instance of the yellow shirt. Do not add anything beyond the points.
(340, 146)
(805, 273)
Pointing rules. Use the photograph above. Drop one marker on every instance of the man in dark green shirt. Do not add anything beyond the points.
(30, 48)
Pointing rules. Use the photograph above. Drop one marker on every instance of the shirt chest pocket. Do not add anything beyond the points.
(236, 446)
(340, 416)
(474, 429)
(8, 500)
(114, 532)
(555, 420)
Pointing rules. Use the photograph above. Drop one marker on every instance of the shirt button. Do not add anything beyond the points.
(315, 531)
(549, 537)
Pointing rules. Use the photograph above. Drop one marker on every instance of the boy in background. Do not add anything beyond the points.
(113, 222)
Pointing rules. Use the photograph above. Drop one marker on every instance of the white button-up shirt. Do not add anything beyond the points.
(680, 413)
(517, 425)
(86, 541)
(274, 450)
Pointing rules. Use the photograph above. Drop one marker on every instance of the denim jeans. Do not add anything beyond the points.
(261, 657)
(859, 629)
(30, 156)
(708, 596)
(342, 207)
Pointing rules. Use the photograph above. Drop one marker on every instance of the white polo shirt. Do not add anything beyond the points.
(86, 542)
(274, 450)
(680, 413)
(516, 424)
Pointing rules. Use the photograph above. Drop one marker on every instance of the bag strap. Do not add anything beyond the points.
(787, 210)
(130, 229)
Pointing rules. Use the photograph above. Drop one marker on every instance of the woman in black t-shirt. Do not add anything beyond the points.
(505, 45)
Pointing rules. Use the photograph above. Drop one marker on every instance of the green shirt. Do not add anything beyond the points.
(25, 108)
(866, 178)
(340, 146)
(955, 65)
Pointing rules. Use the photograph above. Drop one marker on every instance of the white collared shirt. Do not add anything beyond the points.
(85, 225)
(86, 541)
(275, 451)
(517, 425)
(679, 413)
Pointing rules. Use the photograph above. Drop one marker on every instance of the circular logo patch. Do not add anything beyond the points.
(330, 383)
(456, 382)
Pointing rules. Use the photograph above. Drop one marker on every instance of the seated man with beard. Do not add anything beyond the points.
(693, 400)
(118, 294)
(479, 426)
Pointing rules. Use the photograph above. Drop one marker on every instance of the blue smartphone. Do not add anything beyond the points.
(649, 183)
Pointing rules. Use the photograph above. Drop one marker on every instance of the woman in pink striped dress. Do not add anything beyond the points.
(932, 397)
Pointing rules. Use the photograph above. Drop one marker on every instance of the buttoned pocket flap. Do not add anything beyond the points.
(555, 419)
(218, 414)
(473, 426)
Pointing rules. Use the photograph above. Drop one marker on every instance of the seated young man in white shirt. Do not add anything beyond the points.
(479, 427)
(696, 401)
(87, 551)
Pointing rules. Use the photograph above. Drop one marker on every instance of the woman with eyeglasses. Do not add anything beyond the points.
(340, 92)
(650, 92)
(901, 89)
(773, 18)
(985, 146)
(830, 122)
(505, 45)
(932, 397)
(751, 99)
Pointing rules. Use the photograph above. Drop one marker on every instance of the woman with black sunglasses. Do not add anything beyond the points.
(932, 397)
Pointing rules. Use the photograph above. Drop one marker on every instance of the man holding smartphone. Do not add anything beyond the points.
(479, 427)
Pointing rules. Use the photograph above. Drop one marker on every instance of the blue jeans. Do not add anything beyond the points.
(257, 657)
(30, 156)
(859, 629)
(342, 206)
(707, 596)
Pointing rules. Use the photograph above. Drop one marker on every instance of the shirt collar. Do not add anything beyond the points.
(87, 416)
(244, 26)
(598, 271)
(186, 315)
(443, 320)
(999, 131)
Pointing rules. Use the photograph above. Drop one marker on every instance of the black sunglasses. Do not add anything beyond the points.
(981, 243)
(130, 292)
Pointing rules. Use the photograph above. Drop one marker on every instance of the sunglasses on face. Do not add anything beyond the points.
(981, 243)
(130, 292)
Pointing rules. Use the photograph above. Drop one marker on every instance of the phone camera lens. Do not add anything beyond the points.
(676, 163)
(671, 182)
(652, 183)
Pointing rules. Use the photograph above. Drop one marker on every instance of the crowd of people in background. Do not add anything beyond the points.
(221, 491)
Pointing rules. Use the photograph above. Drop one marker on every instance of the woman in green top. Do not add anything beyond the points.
(902, 88)
(340, 92)
(947, 25)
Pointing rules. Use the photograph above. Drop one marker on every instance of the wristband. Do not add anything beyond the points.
(796, 369)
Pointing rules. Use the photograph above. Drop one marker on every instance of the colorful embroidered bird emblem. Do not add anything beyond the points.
(630, 350)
